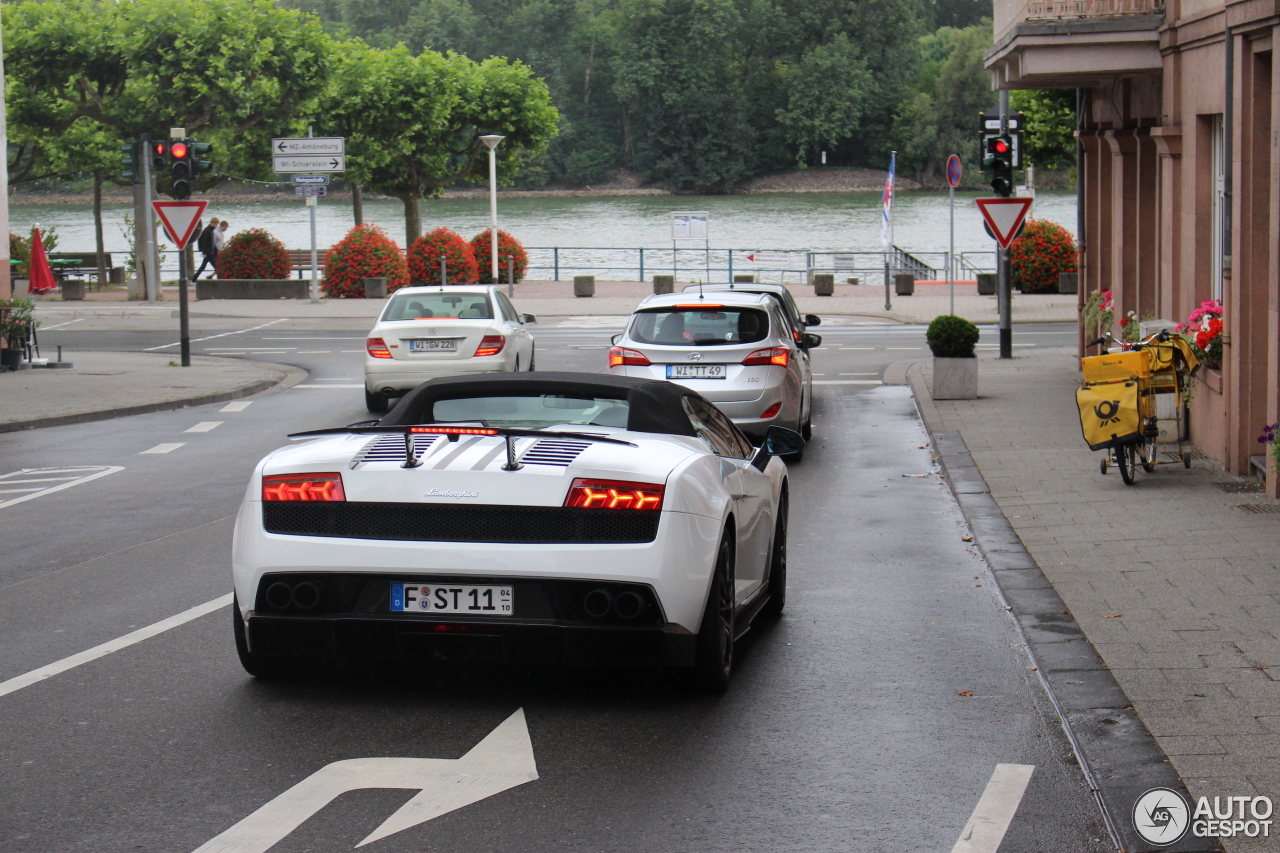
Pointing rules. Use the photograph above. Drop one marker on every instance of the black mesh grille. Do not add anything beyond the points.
(449, 523)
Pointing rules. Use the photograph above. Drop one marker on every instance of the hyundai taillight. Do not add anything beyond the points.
(491, 345)
(613, 494)
(377, 348)
(303, 487)
(780, 356)
(621, 355)
(771, 411)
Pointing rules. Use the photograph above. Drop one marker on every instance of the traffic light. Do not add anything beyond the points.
(180, 170)
(198, 151)
(998, 158)
(159, 157)
(130, 167)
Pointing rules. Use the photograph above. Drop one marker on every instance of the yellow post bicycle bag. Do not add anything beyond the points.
(1109, 413)
(1116, 366)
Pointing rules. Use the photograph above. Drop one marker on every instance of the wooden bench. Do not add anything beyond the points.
(301, 259)
(88, 266)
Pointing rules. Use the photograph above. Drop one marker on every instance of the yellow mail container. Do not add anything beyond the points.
(1110, 413)
(1116, 366)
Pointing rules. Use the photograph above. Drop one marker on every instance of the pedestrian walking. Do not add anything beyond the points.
(220, 236)
(205, 244)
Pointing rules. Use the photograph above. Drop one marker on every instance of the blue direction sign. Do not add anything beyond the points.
(318, 180)
(954, 170)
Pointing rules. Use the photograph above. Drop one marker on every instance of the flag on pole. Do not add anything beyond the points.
(41, 280)
(886, 220)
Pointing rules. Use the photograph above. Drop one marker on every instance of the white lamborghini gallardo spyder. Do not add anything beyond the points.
(545, 518)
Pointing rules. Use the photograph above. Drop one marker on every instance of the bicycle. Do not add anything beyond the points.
(1118, 400)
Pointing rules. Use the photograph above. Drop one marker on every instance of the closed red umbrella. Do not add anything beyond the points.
(41, 276)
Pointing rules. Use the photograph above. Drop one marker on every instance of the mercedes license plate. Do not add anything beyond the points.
(434, 345)
(451, 598)
(697, 371)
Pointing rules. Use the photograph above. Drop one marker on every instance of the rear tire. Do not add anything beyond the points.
(806, 431)
(1148, 454)
(376, 403)
(778, 562)
(533, 357)
(256, 664)
(1125, 462)
(715, 636)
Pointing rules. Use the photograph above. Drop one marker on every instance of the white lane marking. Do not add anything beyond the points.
(225, 352)
(848, 382)
(855, 374)
(65, 477)
(222, 335)
(328, 386)
(205, 426)
(310, 338)
(20, 491)
(994, 812)
(35, 676)
(164, 448)
(504, 759)
(238, 406)
(857, 348)
(334, 379)
(314, 352)
(913, 349)
(60, 325)
(352, 351)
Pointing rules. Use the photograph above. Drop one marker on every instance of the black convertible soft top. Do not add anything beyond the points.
(653, 404)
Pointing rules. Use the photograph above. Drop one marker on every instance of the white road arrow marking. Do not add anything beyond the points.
(504, 759)
(994, 812)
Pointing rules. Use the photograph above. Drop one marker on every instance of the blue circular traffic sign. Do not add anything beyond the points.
(953, 170)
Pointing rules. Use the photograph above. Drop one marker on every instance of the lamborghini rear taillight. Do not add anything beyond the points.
(491, 345)
(780, 356)
(621, 355)
(614, 494)
(377, 348)
(303, 487)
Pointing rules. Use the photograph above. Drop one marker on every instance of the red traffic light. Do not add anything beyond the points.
(178, 150)
(1002, 147)
(160, 149)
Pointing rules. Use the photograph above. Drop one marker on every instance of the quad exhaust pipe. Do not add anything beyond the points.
(304, 595)
(600, 602)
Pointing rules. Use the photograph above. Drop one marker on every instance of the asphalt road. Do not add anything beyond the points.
(870, 717)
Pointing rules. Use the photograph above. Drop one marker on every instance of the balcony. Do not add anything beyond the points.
(1047, 44)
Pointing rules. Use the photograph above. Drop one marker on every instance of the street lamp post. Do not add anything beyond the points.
(492, 142)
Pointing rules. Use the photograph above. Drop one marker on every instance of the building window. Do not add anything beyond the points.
(1218, 202)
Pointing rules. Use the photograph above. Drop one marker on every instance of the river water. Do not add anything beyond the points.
(845, 222)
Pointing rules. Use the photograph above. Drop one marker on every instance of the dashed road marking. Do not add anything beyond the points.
(164, 448)
(994, 812)
(848, 382)
(238, 406)
(37, 482)
(328, 386)
(222, 335)
(35, 676)
(205, 426)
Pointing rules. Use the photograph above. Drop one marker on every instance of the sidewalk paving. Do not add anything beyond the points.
(1173, 582)
(618, 298)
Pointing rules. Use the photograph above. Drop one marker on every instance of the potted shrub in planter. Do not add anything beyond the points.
(16, 324)
(955, 366)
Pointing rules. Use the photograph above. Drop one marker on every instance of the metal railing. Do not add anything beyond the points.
(1008, 13)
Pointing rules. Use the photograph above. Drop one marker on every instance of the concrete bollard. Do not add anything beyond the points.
(1068, 282)
(854, 280)
(904, 283)
(824, 284)
(375, 288)
(584, 285)
(664, 284)
(744, 278)
(986, 284)
(72, 290)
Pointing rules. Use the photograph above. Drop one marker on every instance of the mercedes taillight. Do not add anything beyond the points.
(613, 494)
(780, 356)
(377, 348)
(303, 487)
(491, 345)
(619, 356)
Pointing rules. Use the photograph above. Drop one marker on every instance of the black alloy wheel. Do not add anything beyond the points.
(375, 402)
(778, 562)
(715, 637)
(255, 663)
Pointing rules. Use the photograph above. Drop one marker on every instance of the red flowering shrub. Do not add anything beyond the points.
(366, 252)
(1204, 330)
(508, 246)
(1043, 250)
(426, 252)
(253, 254)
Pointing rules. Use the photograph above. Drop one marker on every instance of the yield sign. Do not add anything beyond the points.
(179, 218)
(1004, 216)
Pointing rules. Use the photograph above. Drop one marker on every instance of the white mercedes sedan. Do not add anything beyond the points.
(534, 519)
(425, 332)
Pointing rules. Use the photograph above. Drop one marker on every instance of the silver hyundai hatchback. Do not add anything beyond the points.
(736, 349)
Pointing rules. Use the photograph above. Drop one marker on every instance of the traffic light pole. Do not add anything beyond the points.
(143, 234)
(184, 277)
(1004, 280)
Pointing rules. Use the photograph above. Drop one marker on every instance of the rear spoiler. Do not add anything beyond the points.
(453, 433)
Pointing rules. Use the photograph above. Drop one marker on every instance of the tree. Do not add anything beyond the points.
(413, 123)
(1049, 137)
(827, 96)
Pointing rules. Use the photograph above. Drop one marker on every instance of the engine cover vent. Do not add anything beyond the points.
(390, 448)
(554, 451)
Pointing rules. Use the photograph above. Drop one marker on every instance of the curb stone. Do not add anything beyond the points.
(290, 376)
(1120, 758)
